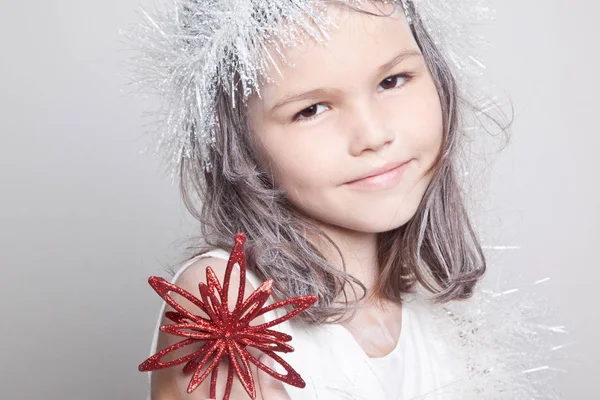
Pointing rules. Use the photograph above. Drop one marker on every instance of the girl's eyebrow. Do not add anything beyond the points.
(403, 55)
(305, 95)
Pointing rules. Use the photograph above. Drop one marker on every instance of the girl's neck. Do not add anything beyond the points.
(359, 250)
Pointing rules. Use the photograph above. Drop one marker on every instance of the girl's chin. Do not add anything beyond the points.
(376, 226)
(372, 220)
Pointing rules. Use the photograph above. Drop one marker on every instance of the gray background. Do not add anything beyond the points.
(85, 219)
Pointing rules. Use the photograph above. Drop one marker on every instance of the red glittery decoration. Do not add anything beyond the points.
(226, 333)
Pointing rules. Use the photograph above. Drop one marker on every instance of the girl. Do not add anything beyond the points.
(331, 142)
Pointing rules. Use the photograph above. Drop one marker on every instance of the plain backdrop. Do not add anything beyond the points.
(85, 218)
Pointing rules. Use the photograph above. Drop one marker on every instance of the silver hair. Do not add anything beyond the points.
(437, 249)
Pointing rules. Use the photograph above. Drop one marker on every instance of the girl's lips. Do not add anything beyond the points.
(383, 180)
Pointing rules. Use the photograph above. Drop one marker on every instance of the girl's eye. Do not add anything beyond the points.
(395, 81)
(308, 113)
(391, 82)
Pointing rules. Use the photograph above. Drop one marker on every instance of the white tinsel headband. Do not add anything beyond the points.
(191, 48)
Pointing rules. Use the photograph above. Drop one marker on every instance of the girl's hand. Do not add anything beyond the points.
(269, 387)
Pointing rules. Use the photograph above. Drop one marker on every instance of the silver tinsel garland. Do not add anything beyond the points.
(502, 347)
(190, 49)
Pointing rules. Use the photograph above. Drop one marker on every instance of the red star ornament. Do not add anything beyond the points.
(226, 333)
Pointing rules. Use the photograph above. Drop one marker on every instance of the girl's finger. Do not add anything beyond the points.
(270, 388)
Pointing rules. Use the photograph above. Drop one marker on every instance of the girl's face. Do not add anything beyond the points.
(345, 113)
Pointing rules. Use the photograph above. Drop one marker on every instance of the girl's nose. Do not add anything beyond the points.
(368, 131)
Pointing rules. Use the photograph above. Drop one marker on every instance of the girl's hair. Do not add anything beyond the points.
(437, 248)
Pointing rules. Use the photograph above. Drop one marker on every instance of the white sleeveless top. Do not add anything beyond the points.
(335, 367)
